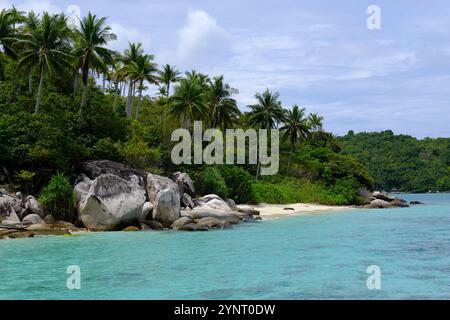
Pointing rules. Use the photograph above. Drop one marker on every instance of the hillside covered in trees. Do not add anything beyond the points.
(401, 162)
(65, 97)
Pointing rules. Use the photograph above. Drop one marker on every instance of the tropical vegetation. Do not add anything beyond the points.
(65, 97)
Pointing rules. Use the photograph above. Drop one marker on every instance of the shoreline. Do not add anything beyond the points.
(275, 211)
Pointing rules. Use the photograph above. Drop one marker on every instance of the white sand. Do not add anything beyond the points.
(278, 210)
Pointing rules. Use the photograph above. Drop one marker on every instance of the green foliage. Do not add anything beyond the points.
(402, 162)
(211, 182)
(239, 183)
(58, 198)
(291, 190)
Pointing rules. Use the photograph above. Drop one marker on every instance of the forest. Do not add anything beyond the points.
(66, 97)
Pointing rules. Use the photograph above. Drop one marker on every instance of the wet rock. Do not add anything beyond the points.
(193, 227)
(154, 225)
(213, 223)
(380, 204)
(131, 229)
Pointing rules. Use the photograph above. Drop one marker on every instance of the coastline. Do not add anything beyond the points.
(274, 211)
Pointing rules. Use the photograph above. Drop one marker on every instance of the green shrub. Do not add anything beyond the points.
(58, 198)
(239, 183)
(211, 182)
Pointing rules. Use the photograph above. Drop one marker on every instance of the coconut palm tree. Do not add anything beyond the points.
(92, 36)
(168, 75)
(131, 56)
(296, 127)
(223, 109)
(30, 23)
(315, 122)
(142, 70)
(266, 114)
(8, 33)
(46, 48)
(189, 101)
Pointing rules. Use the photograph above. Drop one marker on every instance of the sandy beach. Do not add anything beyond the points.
(272, 211)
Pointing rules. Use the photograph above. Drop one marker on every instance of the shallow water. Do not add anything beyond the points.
(321, 256)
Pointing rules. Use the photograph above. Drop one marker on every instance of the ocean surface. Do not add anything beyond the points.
(321, 256)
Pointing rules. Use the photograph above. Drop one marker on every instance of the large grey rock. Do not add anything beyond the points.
(199, 213)
(7, 213)
(213, 201)
(154, 225)
(33, 219)
(232, 204)
(184, 182)
(380, 204)
(32, 206)
(193, 227)
(382, 196)
(110, 202)
(165, 196)
(94, 169)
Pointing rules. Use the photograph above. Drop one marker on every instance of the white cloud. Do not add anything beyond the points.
(201, 29)
(126, 35)
(40, 6)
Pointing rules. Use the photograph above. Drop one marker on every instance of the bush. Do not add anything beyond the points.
(211, 182)
(58, 198)
(239, 183)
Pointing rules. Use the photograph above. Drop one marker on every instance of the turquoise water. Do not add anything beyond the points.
(309, 257)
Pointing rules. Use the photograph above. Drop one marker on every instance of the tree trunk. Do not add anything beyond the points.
(75, 82)
(115, 96)
(290, 157)
(128, 104)
(30, 82)
(39, 93)
(85, 82)
(138, 108)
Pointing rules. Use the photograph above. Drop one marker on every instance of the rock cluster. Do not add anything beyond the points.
(112, 196)
(382, 200)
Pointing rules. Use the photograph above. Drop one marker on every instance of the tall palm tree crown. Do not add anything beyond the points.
(189, 101)
(223, 109)
(92, 36)
(268, 112)
(167, 76)
(46, 47)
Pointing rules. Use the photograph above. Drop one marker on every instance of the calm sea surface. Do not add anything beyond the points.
(305, 257)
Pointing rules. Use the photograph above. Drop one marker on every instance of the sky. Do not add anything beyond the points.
(317, 54)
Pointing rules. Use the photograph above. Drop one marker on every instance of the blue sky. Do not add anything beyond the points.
(317, 54)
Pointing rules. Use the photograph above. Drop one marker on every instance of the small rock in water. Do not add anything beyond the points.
(413, 203)
(154, 225)
(193, 227)
(128, 229)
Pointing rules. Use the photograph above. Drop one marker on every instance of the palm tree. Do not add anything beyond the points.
(189, 101)
(295, 127)
(46, 48)
(266, 114)
(30, 24)
(315, 122)
(167, 76)
(223, 108)
(92, 36)
(131, 56)
(143, 69)
(8, 32)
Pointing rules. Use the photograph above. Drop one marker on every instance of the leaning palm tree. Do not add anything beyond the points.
(143, 69)
(266, 114)
(189, 102)
(46, 48)
(296, 127)
(315, 122)
(92, 36)
(223, 109)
